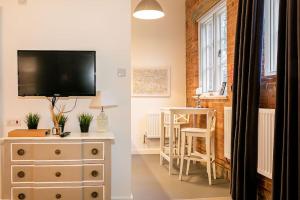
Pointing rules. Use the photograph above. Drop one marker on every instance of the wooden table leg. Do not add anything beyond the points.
(162, 137)
(182, 146)
(171, 130)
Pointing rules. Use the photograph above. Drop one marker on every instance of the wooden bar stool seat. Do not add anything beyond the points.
(189, 135)
(179, 120)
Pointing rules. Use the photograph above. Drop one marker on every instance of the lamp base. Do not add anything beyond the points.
(198, 101)
(102, 122)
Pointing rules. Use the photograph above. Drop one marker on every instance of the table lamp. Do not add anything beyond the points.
(198, 94)
(102, 119)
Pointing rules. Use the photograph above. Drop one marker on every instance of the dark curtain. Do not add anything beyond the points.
(285, 162)
(246, 84)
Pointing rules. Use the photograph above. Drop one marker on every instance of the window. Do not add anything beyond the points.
(213, 49)
(270, 36)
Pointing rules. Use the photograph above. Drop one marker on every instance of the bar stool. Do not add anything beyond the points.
(192, 154)
(179, 120)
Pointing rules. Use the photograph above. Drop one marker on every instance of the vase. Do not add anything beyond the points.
(84, 128)
(32, 126)
(62, 127)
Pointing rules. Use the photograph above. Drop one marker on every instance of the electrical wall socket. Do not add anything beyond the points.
(121, 72)
(13, 123)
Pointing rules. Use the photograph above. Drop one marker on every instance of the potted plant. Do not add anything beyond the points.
(61, 119)
(85, 121)
(32, 120)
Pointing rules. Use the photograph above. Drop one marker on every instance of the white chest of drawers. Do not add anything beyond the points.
(77, 167)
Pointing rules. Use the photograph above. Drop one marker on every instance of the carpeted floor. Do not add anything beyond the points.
(150, 181)
(211, 198)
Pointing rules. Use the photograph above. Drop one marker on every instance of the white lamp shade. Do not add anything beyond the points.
(98, 102)
(199, 91)
(148, 9)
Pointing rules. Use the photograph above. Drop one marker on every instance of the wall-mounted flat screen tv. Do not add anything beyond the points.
(56, 73)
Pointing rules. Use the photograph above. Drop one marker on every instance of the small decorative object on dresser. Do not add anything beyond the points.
(99, 103)
(29, 133)
(32, 120)
(56, 119)
(61, 119)
(77, 167)
(85, 121)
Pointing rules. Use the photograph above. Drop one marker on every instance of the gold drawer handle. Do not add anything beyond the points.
(94, 151)
(21, 196)
(58, 174)
(21, 174)
(58, 196)
(94, 194)
(21, 152)
(57, 151)
(94, 173)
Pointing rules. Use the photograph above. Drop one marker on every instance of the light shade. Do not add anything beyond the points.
(97, 102)
(148, 9)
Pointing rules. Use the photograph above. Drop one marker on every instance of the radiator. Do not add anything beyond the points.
(152, 125)
(265, 141)
(266, 120)
(227, 131)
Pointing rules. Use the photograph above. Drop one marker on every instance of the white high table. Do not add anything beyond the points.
(171, 111)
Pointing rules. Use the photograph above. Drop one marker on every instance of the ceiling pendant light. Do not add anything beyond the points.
(148, 9)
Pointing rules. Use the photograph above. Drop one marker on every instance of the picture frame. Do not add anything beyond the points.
(223, 88)
(151, 82)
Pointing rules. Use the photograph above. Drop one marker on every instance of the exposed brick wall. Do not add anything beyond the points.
(192, 81)
(268, 86)
(268, 92)
(264, 188)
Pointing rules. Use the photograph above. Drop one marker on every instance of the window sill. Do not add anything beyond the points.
(269, 77)
(212, 97)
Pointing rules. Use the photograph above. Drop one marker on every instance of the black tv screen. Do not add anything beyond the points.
(56, 73)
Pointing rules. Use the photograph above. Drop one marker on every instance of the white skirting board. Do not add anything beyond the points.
(122, 198)
(145, 151)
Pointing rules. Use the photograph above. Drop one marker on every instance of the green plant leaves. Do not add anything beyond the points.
(85, 119)
(32, 120)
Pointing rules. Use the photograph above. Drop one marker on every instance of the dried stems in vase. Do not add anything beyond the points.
(56, 117)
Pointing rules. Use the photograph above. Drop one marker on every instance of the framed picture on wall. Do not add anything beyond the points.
(151, 82)
(223, 87)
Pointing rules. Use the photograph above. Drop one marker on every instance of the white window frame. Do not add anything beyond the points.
(271, 17)
(211, 17)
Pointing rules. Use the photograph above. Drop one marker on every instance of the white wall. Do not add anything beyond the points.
(1, 72)
(158, 43)
(101, 25)
(1, 98)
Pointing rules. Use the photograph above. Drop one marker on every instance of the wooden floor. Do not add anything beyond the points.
(150, 181)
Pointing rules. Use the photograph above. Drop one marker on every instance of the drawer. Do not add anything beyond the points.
(22, 151)
(22, 193)
(22, 174)
(41, 151)
(47, 193)
(93, 150)
(57, 173)
(93, 193)
(57, 193)
(74, 193)
(93, 172)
